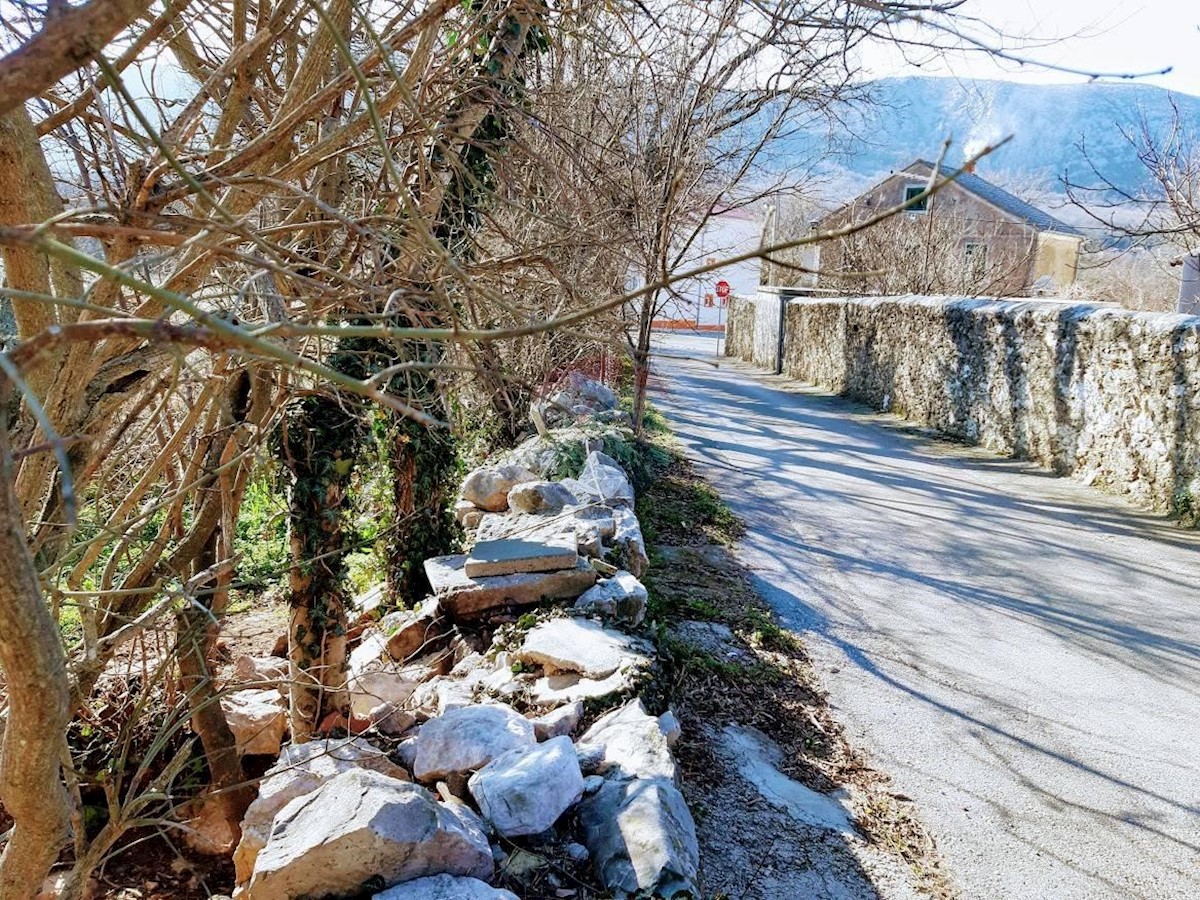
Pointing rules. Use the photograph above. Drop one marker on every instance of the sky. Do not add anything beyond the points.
(1109, 36)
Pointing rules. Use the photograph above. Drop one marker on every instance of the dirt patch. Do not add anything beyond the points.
(728, 663)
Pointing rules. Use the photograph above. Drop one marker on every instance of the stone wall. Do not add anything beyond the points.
(1107, 395)
(739, 328)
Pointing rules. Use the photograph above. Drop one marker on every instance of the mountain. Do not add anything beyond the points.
(909, 118)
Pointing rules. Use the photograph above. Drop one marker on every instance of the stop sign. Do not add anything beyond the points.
(723, 289)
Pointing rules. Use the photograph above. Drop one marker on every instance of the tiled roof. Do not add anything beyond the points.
(1001, 198)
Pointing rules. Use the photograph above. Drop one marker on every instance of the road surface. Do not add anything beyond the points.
(1020, 653)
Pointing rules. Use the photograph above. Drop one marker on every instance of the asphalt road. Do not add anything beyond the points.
(1020, 653)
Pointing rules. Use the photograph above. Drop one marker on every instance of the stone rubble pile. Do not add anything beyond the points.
(474, 699)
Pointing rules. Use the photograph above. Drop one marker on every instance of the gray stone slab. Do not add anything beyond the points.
(510, 556)
(461, 596)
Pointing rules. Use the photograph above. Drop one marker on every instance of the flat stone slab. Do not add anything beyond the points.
(582, 646)
(463, 597)
(510, 556)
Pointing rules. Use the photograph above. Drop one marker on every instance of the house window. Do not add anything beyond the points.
(913, 190)
(975, 256)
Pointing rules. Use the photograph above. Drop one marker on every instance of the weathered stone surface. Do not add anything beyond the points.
(579, 645)
(462, 508)
(544, 455)
(445, 887)
(466, 739)
(257, 718)
(577, 396)
(423, 630)
(488, 488)
(511, 556)
(571, 687)
(642, 839)
(440, 695)
(540, 497)
(627, 538)
(602, 481)
(526, 527)
(525, 791)
(360, 825)
(375, 678)
(301, 769)
(671, 727)
(261, 672)
(559, 722)
(462, 597)
(634, 744)
(621, 597)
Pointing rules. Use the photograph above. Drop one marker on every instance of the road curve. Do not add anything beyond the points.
(1020, 653)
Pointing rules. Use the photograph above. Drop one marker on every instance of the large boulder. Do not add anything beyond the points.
(642, 839)
(621, 597)
(463, 597)
(257, 718)
(467, 739)
(488, 487)
(301, 769)
(582, 646)
(445, 887)
(634, 743)
(540, 497)
(363, 825)
(525, 790)
(602, 481)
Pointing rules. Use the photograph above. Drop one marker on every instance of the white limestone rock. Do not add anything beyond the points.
(257, 718)
(488, 487)
(467, 739)
(620, 597)
(627, 538)
(642, 839)
(525, 791)
(463, 508)
(468, 598)
(603, 481)
(582, 646)
(558, 722)
(571, 687)
(375, 678)
(362, 825)
(634, 744)
(301, 769)
(445, 887)
(540, 497)
(261, 672)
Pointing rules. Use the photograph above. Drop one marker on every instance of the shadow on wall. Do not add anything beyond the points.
(1109, 396)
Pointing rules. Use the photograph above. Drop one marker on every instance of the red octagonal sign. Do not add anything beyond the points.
(723, 289)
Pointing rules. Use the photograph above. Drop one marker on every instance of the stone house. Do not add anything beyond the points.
(972, 237)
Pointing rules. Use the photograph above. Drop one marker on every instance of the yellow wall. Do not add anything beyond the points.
(1058, 257)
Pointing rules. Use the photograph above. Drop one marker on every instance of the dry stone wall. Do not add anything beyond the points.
(1107, 395)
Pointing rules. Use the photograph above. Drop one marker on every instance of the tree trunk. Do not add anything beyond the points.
(33, 661)
(197, 635)
(641, 365)
(319, 444)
